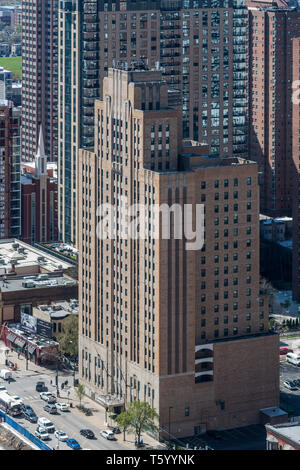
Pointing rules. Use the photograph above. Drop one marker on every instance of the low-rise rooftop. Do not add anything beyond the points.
(20, 258)
(60, 310)
(288, 431)
(21, 283)
(34, 339)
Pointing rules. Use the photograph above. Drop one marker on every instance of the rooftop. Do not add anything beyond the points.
(272, 412)
(15, 254)
(60, 309)
(289, 431)
(22, 283)
(32, 338)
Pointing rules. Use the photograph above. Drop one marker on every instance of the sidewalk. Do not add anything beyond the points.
(68, 395)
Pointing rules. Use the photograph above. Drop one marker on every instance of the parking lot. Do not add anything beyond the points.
(289, 399)
(246, 438)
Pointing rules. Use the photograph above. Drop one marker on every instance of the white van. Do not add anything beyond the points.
(5, 374)
(293, 359)
(46, 425)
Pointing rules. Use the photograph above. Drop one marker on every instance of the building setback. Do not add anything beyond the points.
(10, 189)
(39, 76)
(272, 29)
(201, 49)
(185, 330)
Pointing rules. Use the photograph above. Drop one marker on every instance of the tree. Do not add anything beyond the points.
(138, 417)
(68, 340)
(80, 393)
(123, 420)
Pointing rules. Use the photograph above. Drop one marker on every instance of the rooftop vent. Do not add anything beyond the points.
(28, 284)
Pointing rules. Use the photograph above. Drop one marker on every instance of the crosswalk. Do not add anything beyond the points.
(31, 397)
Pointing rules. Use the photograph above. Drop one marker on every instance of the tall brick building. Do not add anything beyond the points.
(185, 330)
(272, 29)
(296, 162)
(39, 200)
(39, 76)
(10, 189)
(201, 49)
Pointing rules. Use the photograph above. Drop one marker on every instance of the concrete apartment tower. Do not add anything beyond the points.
(272, 28)
(39, 76)
(200, 47)
(185, 330)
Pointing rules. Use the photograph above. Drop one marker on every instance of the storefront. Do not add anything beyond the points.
(36, 348)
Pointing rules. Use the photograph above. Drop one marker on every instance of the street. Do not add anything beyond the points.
(70, 422)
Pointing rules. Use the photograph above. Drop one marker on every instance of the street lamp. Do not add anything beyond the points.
(170, 408)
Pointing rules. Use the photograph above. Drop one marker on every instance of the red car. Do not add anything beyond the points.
(285, 351)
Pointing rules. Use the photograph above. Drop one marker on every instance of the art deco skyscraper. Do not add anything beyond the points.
(185, 330)
(39, 76)
(200, 47)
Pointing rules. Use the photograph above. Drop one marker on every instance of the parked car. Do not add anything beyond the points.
(61, 435)
(41, 434)
(284, 351)
(47, 396)
(73, 444)
(116, 430)
(293, 359)
(109, 435)
(29, 414)
(41, 387)
(45, 424)
(51, 409)
(297, 383)
(87, 433)
(62, 406)
(289, 385)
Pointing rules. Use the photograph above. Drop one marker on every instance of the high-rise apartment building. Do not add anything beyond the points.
(39, 76)
(184, 329)
(5, 84)
(200, 47)
(272, 29)
(10, 189)
(295, 98)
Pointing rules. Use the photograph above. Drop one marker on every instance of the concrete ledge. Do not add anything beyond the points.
(13, 440)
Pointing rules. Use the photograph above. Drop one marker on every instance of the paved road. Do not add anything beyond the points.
(69, 422)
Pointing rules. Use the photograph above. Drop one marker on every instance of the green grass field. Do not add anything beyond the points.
(14, 64)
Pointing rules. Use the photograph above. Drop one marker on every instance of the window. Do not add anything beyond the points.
(187, 411)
